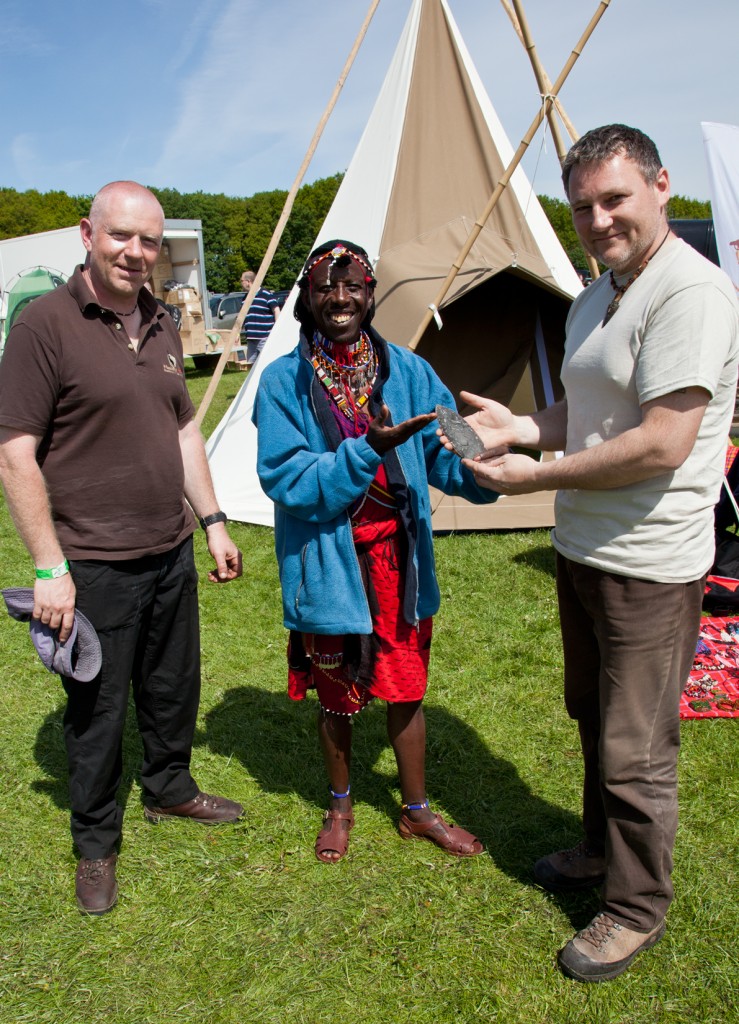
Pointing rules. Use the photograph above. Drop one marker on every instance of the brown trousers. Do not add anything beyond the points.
(628, 647)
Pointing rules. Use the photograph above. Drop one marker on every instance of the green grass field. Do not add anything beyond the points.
(241, 924)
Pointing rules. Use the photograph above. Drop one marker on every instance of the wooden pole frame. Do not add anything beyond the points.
(233, 334)
(518, 18)
(507, 174)
(545, 86)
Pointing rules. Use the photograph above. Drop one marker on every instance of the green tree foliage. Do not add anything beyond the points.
(559, 216)
(312, 203)
(83, 204)
(690, 209)
(26, 213)
(237, 230)
(213, 211)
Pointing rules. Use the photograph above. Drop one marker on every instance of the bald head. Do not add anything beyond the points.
(124, 192)
(122, 236)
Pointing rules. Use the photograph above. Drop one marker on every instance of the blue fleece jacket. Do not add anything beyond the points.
(313, 479)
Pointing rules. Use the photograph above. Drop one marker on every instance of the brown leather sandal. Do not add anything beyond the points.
(332, 837)
(450, 838)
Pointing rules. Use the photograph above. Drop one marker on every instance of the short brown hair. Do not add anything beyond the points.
(600, 144)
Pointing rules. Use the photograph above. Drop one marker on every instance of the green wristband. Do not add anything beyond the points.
(55, 573)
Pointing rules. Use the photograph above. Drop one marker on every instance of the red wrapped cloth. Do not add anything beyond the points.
(347, 672)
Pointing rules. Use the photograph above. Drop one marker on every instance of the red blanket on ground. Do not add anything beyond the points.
(712, 690)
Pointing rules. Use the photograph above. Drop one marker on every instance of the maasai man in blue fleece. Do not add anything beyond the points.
(347, 449)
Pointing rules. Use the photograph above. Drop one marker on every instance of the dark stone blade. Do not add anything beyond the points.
(464, 440)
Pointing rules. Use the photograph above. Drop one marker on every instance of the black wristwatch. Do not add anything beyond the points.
(217, 517)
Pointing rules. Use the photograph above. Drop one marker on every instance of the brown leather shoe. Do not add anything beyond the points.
(207, 809)
(95, 885)
(605, 949)
(570, 870)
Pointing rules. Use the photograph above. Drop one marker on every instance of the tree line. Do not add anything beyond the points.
(237, 230)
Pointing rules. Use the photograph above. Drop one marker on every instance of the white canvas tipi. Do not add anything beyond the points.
(425, 167)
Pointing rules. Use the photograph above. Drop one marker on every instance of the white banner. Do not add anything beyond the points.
(722, 153)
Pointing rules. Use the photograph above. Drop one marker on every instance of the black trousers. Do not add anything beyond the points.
(145, 612)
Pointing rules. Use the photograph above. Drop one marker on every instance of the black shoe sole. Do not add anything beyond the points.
(156, 817)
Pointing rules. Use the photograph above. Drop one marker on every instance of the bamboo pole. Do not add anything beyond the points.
(571, 130)
(520, 23)
(542, 80)
(280, 227)
(503, 182)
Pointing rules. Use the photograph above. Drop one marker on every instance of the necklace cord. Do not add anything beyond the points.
(621, 289)
(127, 314)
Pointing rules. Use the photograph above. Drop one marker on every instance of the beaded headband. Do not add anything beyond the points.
(340, 252)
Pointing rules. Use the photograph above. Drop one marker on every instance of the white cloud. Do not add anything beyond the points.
(248, 111)
(21, 38)
(225, 95)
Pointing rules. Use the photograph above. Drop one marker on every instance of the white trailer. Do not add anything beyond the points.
(181, 260)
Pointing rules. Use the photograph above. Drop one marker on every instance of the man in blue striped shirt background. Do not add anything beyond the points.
(260, 319)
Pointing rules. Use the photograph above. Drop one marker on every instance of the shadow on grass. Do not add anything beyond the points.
(276, 741)
(542, 559)
(51, 757)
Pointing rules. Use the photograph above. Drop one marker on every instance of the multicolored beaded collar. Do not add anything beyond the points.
(347, 372)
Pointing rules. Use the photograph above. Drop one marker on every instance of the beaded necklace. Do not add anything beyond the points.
(347, 372)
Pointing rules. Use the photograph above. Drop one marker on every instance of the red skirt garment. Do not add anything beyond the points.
(400, 665)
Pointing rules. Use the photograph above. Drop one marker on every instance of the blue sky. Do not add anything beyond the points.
(224, 95)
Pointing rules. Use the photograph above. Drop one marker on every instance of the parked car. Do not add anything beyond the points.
(225, 309)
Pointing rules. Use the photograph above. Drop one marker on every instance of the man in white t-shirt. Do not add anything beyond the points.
(650, 375)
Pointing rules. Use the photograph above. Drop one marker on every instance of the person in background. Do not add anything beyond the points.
(650, 375)
(260, 318)
(98, 470)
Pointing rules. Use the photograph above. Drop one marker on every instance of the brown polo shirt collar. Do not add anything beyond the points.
(78, 289)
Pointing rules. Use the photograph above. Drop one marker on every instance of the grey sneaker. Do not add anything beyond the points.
(582, 867)
(605, 949)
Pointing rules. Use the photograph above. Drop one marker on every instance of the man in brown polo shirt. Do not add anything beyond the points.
(99, 458)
